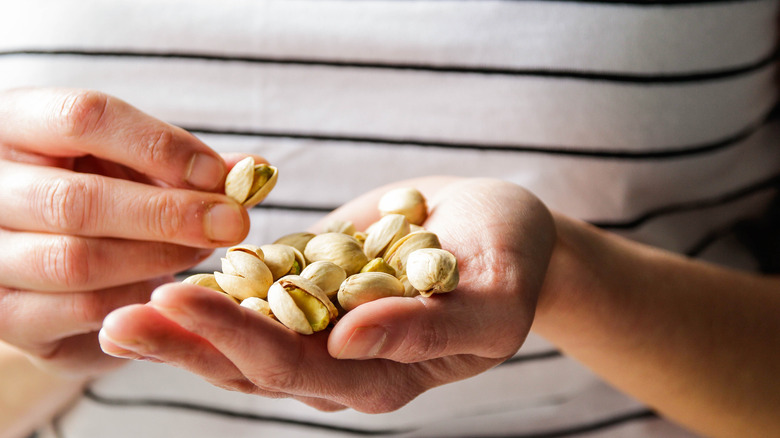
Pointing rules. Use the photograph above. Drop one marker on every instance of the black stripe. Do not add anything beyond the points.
(642, 414)
(597, 153)
(532, 357)
(175, 404)
(635, 78)
(700, 204)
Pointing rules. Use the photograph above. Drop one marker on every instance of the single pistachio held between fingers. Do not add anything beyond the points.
(368, 286)
(407, 201)
(244, 275)
(337, 248)
(258, 305)
(296, 240)
(249, 183)
(300, 304)
(432, 270)
(283, 260)
(382, 234)
(327, 275)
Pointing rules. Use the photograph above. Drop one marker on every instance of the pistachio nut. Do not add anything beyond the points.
(407, 201)
(337, 248)
(432, 270)
(283, 260)
(205, 280)
(338, 226)
(249, 249)
(249, 183)
(244, 275)
(368, 286)
(378, 265)
(296, 240)
(384, 233)
(300, 304)
(258, 305)
(397, 254)
(327, 275)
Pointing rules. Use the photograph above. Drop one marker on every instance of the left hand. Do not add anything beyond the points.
(502, 237)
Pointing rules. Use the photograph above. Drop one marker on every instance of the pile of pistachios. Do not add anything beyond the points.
(305, 281)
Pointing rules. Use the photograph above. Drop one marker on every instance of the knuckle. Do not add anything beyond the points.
(164, 217)
(81, 112)
(65, 204)
(157, 146)
(66, 262)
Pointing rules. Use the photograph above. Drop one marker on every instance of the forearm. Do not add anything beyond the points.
(699, 343)
(28, 395)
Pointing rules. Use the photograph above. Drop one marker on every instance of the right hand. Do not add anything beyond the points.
(100, 204)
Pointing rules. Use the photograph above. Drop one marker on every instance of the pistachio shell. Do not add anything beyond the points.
(397, 254)
(258, 305)
(244, 275)
(337, 248)
(432, 270)
(283, 260)
(296, 240)
(248, 248)
(384, 233)
(327, 275)
(300, 304)
(368, 286)
(407, 201)
(338, 226)
(241, 288)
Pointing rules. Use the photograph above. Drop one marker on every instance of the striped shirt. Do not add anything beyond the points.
(651, 119)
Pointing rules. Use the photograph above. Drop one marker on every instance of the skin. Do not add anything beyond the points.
(695, 341)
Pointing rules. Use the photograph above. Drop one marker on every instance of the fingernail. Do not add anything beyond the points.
(365, 343)
(224, 223)
(204, 172)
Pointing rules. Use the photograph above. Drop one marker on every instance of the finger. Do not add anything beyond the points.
(277, 359)
(77, 356)
(64, 202)
(37, 322)
(141, 332)
(45, 262)
(68, 123)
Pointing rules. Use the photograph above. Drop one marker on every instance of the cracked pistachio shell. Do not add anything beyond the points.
(205, 280)
(432, 270)
(258, 305)
(338, 226)
(249, 249)
(300, 304)
(244, 275)
(406, 201)
(327, 275)
(296, 240)
(249, 183)
(368, 286)
(384, 233)
(283, 260)
(397, 254)
(378, 265)
(337, 248)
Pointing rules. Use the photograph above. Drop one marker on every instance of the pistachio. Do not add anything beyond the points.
(378, 265)
(406, 201)
(368, 286)
(338, 226)
(327, 275)
(432, 270)
(296, 240)
(258, 305)
(244, 275)
(300, 304)
(397, 254)
(337, 248)
(205, 280)
(409, 290)
(283, 260)
(249, 183)
(384, 233)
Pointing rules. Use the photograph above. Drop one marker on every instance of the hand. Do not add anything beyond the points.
(99, 206)
(502, 237)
